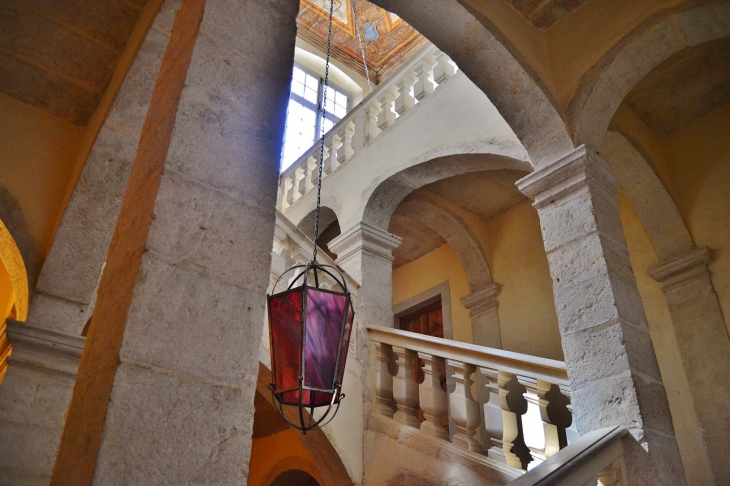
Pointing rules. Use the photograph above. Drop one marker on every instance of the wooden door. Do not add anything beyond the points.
(427, 320)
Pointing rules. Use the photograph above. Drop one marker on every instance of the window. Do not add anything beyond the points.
(304, 118)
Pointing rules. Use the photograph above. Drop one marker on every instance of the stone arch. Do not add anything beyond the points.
(482, 301)
(456, 233)
(519, 95)
(390, 189)
(329, 227)
(12, 260)
(295, 477)
(327, 466)
(659, 215)
(603, 88)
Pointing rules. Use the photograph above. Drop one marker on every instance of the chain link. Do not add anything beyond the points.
(321, 137)
(362, 49)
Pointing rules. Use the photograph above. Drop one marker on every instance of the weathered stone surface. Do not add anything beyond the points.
(85, 231)
(24, 441)
(133, 99)
(57, 314)
(215, 232)
(168, 428)
(11, 478)
(183, 319)
(33, 397)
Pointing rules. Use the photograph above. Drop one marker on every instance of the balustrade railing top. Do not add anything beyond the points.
(417, 79)
(511, 407)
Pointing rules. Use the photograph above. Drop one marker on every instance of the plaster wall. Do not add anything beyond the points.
(513, 248)
(697, 173)
(458, 119)
(663, 337)
(277, 453)
(37, 163)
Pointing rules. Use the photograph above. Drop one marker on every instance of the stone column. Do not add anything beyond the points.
(482, 305)
(432, 396)
(405, 387)
(33, 401)
(704, 347)
(165, 387)
(366, 254)
(609, 356)
(65, 292)
(463, 408)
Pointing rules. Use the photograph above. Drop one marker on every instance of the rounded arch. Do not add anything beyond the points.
(661, 219)
(456, 233)
(389, 190)
(605, 86)
(326, 465)
(519, 95)
(12, 261)
(295, 477)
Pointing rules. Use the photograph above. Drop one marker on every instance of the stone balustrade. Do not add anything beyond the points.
(417, 79)
(511, 407)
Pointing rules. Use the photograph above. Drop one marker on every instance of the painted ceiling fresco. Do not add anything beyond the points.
(396, 39)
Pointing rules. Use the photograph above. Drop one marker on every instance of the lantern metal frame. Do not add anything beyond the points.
(305, 276)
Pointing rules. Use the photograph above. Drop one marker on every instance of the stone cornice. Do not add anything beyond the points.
(46, 350)
(365, 238)
(683, 269)
(566, 176)
(481, 300)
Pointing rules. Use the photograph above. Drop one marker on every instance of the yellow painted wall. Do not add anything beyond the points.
(661, 329)
(277, 453)
(37, 164)
(430, 270)
(513, 248)
(698, 172)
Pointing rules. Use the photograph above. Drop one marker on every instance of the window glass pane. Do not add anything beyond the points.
(310, 95)
(340, 111)
(299, 133)
(327, 125)
(312, 82)
(298, 75)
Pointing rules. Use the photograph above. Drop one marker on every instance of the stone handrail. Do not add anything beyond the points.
(417, 79)
(512, 407)
(596, 456)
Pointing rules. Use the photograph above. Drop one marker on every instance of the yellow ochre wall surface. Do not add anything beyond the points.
(277, 453)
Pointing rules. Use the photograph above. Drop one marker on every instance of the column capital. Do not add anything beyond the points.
(49, 351)
(566, 176)
(682, 269)
(481, 300)
(367, 239)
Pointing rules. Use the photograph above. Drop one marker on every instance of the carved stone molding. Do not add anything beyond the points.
(48, 351)
(364, 238)
(482, 300)
(683, 269)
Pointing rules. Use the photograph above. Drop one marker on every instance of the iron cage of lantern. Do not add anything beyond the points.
(309, 332)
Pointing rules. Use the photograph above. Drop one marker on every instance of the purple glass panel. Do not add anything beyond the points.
(323, 321)
(345, 342)
(285, 325)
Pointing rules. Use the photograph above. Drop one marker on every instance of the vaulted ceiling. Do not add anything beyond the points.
(396, 39)
(544, 13)
(60, 55)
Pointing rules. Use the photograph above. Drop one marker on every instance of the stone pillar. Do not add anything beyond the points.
(482, 305)
(704, 347)
(66, 288)
(165, 387)
(366, 254)
(35, 394)
(609, 356)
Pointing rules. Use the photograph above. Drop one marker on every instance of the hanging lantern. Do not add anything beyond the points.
(309, 331)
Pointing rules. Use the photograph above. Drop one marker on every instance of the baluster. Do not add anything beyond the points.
(383, 379)
(299, 176)
(444, 69)
(311, 176)
(463, 408)
(555, 415)
(491, 413)
(514, 405)
(405, 387)
(347, 144)
(287, 196)
(425, 85)
(533, 430)
(405, 100)
(614, 474)
(373, 112)
(388, 115)
(334, 149)
(432, 395)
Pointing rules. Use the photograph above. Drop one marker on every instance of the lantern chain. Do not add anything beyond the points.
(321, 138)
(362, 49)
